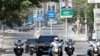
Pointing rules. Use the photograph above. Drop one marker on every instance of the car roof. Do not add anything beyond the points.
(32, 40)
(47, 37)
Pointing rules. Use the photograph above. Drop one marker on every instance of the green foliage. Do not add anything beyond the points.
(83, 8)
(14, 11)
(89, 14)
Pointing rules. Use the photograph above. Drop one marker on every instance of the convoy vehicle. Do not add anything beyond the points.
(31, 45)
(18, 50)
(44, 45)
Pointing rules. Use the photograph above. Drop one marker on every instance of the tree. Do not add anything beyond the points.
(11, 9)
(89, 16)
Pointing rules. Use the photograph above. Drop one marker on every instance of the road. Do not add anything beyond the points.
(81, 45)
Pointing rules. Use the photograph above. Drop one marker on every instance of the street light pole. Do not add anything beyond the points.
(95, 23)
(51, 25)
(66, 27)
(86, 29)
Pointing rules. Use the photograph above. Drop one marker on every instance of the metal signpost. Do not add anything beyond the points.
(51, 12)
(35, 17)
(40, 17)
(66, 12)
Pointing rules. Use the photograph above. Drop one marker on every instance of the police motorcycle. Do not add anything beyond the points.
(56, 49)
(95, 48)
(69, 48)
(18, 50)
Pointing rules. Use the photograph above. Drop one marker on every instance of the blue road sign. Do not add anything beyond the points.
(31, 19)
(40, 17)
(51, 14)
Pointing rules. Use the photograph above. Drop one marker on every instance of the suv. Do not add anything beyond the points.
(44, 45)
(31, 46)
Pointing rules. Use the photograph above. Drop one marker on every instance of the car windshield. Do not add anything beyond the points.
(32, 40)
(43, 39)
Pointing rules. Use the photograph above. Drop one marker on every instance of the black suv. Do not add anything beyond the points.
(31, 45)
(44, 45)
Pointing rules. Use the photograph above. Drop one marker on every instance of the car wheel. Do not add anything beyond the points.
(31, 53)
(28, 30)
(90, 53)
(60, 53)
(19, 30)
(98, 55)
(25, 30)
(50, 54)
(37, 54)
(26, 49)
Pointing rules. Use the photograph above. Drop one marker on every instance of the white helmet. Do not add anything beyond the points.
(56, 39)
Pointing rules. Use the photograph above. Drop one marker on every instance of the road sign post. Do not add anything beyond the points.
(66, 12)
(51, 15)
(51, 12)
(35, 17)
(40, 17)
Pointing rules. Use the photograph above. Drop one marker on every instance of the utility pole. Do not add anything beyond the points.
(95, 24)
(86, 29)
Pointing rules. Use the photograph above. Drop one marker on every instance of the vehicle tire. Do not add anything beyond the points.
(50, 54)
(60, 53)
(25, 30)
(98, 55)
(31, 53)
(19, 30)
(69, 55)
(37, 54)
(28, 30)
(26, 49)
(90, 53)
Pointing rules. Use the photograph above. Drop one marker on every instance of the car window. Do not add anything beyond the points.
(46, 38)
(32, 40)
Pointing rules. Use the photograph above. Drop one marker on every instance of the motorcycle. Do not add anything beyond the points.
(18, 50)
(56, 51)
(93, 51)
(69, 49)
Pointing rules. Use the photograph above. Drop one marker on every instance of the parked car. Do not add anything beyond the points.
(30, 26)
(44, 45)
(23, 28)
(31, 45)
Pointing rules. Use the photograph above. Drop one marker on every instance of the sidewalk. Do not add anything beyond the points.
(76, 36)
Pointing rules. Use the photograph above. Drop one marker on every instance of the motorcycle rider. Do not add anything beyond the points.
(55, 45)
(18, 48)
(19, 43)
(70, 42)
(69, 49)
(56, 42)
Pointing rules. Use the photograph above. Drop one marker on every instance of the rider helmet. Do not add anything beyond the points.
(56, 39)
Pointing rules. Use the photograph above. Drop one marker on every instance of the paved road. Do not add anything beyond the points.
(9, 38)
